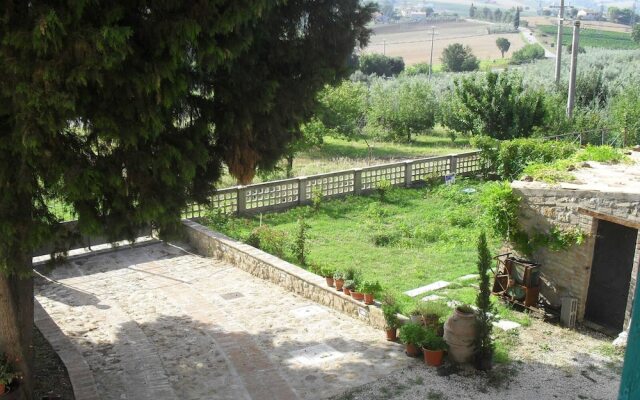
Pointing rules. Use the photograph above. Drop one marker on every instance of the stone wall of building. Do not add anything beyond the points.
(567, 273)
(265, 266)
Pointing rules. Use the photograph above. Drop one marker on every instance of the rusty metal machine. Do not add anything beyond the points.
(517, 280)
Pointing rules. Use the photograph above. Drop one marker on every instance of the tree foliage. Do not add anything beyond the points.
(496, 105)
(530, 52)
(402, 108)
(457, 58)
(342, 109)
(381, 65)
(635, 33)
(503, 45)
(127, 110)
(625, 112)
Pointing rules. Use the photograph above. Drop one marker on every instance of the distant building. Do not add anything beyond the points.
(588, 15)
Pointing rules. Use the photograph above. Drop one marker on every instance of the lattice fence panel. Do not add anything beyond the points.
(392, 173)
(226, 201)
(468, 163)
(273, 194)
(333, 185)
(425, 170)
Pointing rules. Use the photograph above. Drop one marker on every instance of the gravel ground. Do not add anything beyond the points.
(548, 363)
(50, 373)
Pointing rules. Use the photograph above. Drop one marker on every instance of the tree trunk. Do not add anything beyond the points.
(16, 324)
(289, 166)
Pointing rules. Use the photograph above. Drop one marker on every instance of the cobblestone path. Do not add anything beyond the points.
(158, 322)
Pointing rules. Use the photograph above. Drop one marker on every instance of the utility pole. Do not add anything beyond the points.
(574, 65)
(433, 33)
(559, 41)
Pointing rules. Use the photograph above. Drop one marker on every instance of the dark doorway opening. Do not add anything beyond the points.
(610, 275)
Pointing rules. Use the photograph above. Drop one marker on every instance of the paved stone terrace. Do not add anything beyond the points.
(159, 322)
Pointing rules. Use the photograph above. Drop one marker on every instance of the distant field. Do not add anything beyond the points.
(412, 41)
(594, 38)
(598, 25)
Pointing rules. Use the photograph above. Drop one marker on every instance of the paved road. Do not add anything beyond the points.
(158, 322)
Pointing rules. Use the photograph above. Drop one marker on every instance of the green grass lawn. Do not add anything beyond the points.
(593, 37)
(423, 236)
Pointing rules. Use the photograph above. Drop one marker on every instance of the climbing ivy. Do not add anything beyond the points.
(502, 205)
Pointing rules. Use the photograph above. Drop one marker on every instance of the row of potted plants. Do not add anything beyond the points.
(350, 282)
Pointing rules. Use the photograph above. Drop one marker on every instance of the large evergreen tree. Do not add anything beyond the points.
(127, 110)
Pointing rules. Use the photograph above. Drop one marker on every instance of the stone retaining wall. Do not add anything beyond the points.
(265, 266)
(567, 273)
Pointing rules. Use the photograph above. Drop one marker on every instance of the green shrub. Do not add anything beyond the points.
(484, 345)
(299, 246)
(417, 69)
(382, 188)
(411, 333)
(337, 274)
(316, 197)
(501, 206)
(530, 52)
(600, 153)
(515, 155)
(384, 237)
(272, 241)
(381, 65)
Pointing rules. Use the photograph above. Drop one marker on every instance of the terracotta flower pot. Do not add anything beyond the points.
(330, 281)
(357, 295)
(339, 283)
(368, 298)
(392, 334)
(346, 291)
(412, 350)
(433, 357)
(2, 389)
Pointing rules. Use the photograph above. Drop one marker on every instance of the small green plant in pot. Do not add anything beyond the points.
(412, 335)
(369, 289)
(354, 284)
(327, 272)
(390, 312)
(434, 313)
(433, 347)
(351, 275)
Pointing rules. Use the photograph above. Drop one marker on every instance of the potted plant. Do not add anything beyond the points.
(350, 277)
(412, 335)
(416, 315)
(369, 289)
(390, 312)
(434, 313)
(433, 347)
(356, 294)
(327, 272)
(338, 279)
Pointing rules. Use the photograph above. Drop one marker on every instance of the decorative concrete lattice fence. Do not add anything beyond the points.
(288, 193)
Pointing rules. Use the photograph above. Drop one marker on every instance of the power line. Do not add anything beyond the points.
(428, 40)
